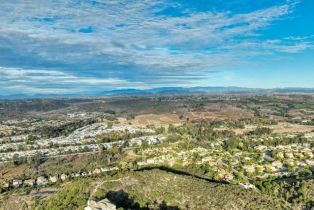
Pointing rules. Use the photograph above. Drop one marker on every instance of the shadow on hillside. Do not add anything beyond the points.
(180, 172)
(122, 200)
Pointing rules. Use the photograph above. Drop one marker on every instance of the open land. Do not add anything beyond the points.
(231, 151)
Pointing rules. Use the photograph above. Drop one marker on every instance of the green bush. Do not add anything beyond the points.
(73, 196)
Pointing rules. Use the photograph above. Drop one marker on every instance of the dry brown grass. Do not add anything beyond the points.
(155, 119)
(282, 128)
(299, 114)
(219, 112)
(238, 131)
(10, 172)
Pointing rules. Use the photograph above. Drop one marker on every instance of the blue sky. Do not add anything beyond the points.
(76, 46)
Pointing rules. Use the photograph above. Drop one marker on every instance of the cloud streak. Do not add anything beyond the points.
(29, 81)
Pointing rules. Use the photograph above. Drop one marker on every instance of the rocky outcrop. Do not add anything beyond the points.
(104, 204)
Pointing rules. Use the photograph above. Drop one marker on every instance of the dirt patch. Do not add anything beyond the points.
(44, 192)
(155, 119)
(282, 128)
(219, 112)
(25, 201)
(11, 172)
(301, 114)
(238, 131)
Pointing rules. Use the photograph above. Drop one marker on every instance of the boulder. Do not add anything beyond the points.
(29, 182)
(41, 181)
(104, 204)
(17, 183)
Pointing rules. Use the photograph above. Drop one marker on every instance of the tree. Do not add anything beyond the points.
(101, 149)
(259, 131)
(232, 143)
(2, 188)
(110, 124)
(16, 159)
(173, 138)
(36, 160)
(112, 154)
(160, 130)
(171, 129)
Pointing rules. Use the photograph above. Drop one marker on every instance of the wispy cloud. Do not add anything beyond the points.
(46, 81)
(137, 41)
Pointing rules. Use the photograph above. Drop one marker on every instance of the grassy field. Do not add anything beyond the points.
(304, 105)
(156, 189)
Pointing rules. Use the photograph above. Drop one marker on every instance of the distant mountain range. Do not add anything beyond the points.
(169, 91)
(200, 90)
(179, 90)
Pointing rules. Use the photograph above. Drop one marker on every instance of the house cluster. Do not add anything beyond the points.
(86, 115)
(19, 127)
(81, 140)
(129, 128)
(44, 180)
(13, 139)
(264, 162)
(7, 156)
(56, 151)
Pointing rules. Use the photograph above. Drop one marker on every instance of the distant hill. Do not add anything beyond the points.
(180, 90)
(170, 91)
(200, 90)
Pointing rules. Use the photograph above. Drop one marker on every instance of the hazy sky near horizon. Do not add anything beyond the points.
(86, 46)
